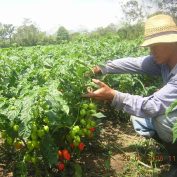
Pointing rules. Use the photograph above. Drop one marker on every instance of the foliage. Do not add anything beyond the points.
(62, 35)
(43, 117)
(6, 33)
(133, 11)
(131, 32)
(27, 35)
(168, 6)
(171, 108)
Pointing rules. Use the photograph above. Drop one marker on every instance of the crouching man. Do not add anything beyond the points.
(148, 113)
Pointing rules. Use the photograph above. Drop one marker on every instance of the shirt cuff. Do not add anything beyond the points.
(103, 69)
(118, 100)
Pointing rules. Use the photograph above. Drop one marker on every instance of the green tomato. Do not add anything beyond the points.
(83, 122)
(77, 139)
(46, 128)
(84, 106)
(81, 133)
(92, 123)
(88, 133)
(16, 128)
(72, 134)
(34, 159)
(88, 126)
(82, 112)
(92, 106)
(27, 158)
(36, 144)
(92, 111)
(34, 136)
(84, 131)
(76, 129)
(75, 143)
(9, 140)
(41, 133)
(30, 145)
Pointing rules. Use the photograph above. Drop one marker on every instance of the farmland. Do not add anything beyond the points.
(46, 124)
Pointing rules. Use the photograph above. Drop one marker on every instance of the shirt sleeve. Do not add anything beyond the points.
(150, 106)
(143, 65)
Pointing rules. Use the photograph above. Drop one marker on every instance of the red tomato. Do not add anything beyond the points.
(72, 146)
(66, 154)
(81, 146)
(92, 129)
(61, 166)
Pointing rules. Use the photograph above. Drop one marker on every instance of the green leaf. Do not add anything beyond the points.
(78, 170)
(20, 169)
(55, 98)
(171, 108)
(107, 164)
(25, 116)
(174, 132)
(99, 115)
(49, 150)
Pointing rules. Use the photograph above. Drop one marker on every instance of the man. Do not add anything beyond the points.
(148, 113)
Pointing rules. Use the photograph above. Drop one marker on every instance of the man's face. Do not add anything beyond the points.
(162, 52)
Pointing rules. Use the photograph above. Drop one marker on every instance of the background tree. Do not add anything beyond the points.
(9, 30)
(62, 34)
(168, 6)
(27, 34)
(133, 11)
(6, 32)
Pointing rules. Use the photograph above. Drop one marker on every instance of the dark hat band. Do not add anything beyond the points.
(160, 34)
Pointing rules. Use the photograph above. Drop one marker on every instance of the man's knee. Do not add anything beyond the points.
(163, 127)
(143, 126)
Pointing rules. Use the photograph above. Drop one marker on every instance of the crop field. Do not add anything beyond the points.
(48, 128)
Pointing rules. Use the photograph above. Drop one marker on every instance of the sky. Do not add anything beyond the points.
(72, 14)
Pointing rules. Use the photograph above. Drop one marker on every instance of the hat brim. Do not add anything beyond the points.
(170, 38)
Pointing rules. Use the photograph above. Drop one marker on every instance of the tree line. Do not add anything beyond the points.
(28, 34)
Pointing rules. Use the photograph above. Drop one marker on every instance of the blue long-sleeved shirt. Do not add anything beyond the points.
(152, 105)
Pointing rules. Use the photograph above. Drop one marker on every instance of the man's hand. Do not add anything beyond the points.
(104, 93)
(95, 71)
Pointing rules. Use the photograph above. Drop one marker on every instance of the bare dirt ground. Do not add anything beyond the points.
(123, 154)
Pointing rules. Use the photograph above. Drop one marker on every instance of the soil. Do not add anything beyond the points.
(116, 140)
(111, 155)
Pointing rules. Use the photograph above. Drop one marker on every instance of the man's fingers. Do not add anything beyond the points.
(92, 96)
(89, 95)
(89, 89)
(98, 82)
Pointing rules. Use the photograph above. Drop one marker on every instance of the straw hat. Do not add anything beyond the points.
(160, 29)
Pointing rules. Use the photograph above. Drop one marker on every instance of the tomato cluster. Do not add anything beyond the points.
(86, 124)
(11, 137)
(71, 144)
(34, 141)
(83, 128)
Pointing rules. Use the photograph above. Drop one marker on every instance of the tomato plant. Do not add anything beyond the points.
(43, 116)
